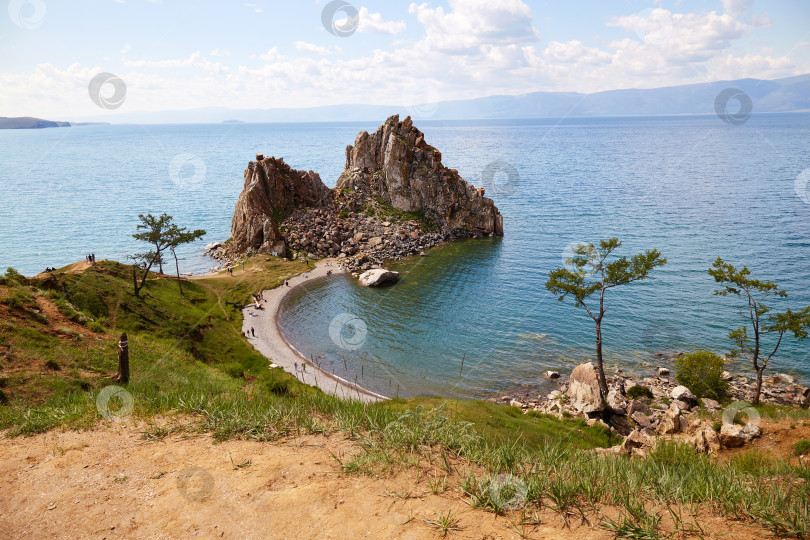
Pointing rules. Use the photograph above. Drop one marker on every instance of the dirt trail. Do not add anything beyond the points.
(110, 483)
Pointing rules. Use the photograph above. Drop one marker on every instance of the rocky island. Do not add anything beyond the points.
(394, 199)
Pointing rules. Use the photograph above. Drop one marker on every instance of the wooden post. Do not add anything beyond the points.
(123, 359)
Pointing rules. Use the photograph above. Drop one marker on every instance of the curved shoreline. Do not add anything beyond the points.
(270, 341)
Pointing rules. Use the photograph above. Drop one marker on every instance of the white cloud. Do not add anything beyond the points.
(373, 23)
(312, 48)
(574, 52)
(472, 23)
(218, 53)
(271, 56)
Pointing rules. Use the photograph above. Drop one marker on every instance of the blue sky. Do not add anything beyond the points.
(181, 54)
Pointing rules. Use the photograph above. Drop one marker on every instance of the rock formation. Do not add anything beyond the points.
(272, 190)
(396, 165)
(394, 199)
(378, 276)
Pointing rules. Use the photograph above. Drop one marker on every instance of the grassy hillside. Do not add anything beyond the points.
(192, 368)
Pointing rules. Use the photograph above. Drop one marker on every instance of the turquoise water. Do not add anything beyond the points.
(694, 188)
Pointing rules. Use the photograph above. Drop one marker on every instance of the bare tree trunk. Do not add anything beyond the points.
(758, 387)
(177, 267)
(600, 368)
(123, 359)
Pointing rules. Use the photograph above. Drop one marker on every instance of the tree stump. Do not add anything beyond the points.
(123, 359)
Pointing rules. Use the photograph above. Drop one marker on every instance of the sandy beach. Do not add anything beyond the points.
(269, 341)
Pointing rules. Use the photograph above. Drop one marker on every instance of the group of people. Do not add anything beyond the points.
(91, 258)
(50, 269)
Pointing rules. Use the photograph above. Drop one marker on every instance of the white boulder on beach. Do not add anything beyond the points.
(378, 276)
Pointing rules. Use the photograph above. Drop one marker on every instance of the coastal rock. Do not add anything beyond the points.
(710, 404)
(671, 422)
(378, 276)
(584, 389)
(682, 393)
(663, 372)
(552, 375)
(395, 165)
(617, 402)
(734, 435)
(271, 190)
(643, 420)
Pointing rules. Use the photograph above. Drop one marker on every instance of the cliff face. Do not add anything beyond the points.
(394, 199)
(396, 165)
(272, 190)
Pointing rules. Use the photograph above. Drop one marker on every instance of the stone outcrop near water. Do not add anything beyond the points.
(395, 198)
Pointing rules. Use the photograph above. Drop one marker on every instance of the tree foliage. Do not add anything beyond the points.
(593, 273)
(764, 324)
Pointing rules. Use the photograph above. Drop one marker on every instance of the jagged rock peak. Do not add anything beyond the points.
(396, 164)
(272, 190)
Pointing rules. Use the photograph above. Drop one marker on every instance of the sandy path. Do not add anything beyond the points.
(110, 483)
(270, 342)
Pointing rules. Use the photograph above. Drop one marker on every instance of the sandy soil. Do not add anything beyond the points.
(110, 483)
(270, 342)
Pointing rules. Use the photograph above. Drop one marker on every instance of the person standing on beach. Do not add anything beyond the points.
(252, 332)
(296, 367)
(243, 265)
(304, 367)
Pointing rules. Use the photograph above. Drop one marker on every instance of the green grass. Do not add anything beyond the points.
(189, 360)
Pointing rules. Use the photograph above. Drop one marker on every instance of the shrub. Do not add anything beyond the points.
(95, 327)
(639, 391)
(277, 387)
(19, 298)
(702, 373)
(802, 447)
(12, 277)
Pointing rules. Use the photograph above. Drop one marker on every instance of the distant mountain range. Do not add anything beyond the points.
(27, 122)
(791, 94)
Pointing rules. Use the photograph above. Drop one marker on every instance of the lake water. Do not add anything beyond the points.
(694, 187)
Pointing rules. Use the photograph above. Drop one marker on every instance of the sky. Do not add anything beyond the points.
(153, 55)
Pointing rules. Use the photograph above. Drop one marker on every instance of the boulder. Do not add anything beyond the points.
(583, 389)
(617, 402)
(734, 435)
(784, 378)
(635, 440)
(706, 440)
(516, 403)
(638, 406)
(378, 276)
(552, 375)
(621, 424)
(663, 372)
(710, 404)
(682, 393)
(643, 420)
(671, 421)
